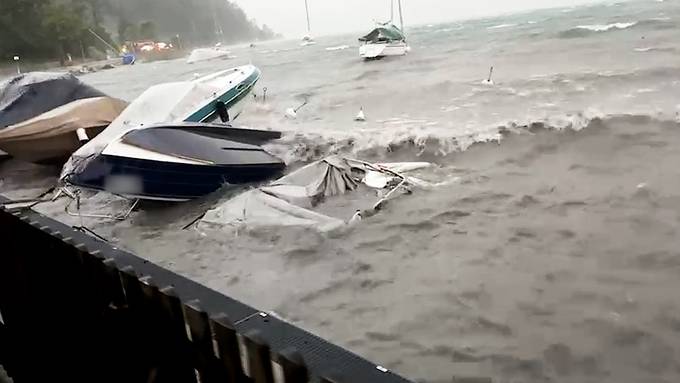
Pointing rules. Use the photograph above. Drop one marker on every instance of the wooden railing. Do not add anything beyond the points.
(78, 310)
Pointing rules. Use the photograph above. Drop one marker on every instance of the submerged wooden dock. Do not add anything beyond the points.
(79, 310)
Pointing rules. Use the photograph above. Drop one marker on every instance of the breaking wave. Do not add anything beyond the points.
(502, 26)
(588, 30)
(433, 145)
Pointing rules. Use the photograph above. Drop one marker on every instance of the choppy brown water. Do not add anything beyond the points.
(553, 258)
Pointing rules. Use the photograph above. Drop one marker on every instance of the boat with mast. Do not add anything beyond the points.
(386, 39)
(308, 39)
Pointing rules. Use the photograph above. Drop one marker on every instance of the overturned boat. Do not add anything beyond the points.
(164, 147)
(53, 136)
(295, 200)
(179, 162)
(31, 94)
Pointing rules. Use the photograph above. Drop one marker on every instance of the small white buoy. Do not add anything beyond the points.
(82, 135)
(357, 217)
(489, 81)
(291, 113)
(360, 116)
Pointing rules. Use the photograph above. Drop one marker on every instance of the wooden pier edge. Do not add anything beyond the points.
(76, 308)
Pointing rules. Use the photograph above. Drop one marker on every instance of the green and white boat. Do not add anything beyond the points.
(385, 39)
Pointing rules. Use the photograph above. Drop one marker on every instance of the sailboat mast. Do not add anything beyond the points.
(309, 29)
(391, 11)
(401, 17)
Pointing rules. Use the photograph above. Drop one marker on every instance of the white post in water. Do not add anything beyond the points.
(16, 59)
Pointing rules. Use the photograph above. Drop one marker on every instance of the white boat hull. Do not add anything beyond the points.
(205, 54)
(377, 50)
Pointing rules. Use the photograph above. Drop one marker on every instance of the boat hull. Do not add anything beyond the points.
(47, 150)
(207, 54)
(165, 181)
(180, 162)
(235, 98)
(379, 50)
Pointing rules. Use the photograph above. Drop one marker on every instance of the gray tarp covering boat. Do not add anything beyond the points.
(287, 202)
(383, 33)
(52, 136)
(28, 95)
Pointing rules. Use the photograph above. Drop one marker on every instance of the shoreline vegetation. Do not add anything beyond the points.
(63, 33)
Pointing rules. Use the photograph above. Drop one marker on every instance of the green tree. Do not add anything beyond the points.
(64, 22)
(131, 33)
(147, 30)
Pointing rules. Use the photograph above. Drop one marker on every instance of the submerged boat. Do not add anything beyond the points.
(28, 95)
(297, 199)
(153, 151)
(53, 136)
(205, 54)
(179, 162)
(385, 40)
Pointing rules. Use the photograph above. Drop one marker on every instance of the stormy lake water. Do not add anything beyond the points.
(548, 254)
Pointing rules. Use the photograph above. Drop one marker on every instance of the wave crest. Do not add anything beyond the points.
(432, 145)
(588, 30)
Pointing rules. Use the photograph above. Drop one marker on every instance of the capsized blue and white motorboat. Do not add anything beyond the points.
(163, 146)
(179, 162)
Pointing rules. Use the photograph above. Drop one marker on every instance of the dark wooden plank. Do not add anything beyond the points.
(205, 361)
(138, 329)
(259, 359)
(168, 355)
(292, 366)
(227, 348)
(112, 283)
(178, 357)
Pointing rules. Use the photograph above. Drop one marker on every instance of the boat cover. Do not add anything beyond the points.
(31, 94)
(163, 103)
(86, 113)
(287, 201)
(385, 32)
(191, 144)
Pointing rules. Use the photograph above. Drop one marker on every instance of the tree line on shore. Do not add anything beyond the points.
(56, 29)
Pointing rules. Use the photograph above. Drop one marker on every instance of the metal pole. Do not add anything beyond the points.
(391, 11)
(16, 59)
(82, 50)
(309, 29)
(102, 40)
(401, 18)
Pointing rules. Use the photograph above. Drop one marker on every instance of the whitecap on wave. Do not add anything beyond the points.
(607, 27)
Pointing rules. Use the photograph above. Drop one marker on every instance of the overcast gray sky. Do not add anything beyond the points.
(337, 16)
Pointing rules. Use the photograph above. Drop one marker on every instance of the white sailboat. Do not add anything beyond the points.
(308, 39)
(386, 39)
